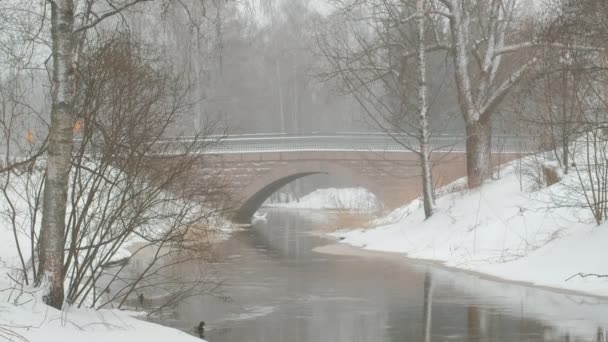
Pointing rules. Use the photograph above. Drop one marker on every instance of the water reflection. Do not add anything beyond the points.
(473, 324)
(284, 291)
(428, 306)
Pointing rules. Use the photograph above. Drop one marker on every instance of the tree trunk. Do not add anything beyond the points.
(427, 176)
(52, 238)
(565, 149)
(477, 105)
(280, 91)
(296, 97)
(478, 148)
(565, 119)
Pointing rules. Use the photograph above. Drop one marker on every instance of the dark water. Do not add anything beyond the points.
(282, 290)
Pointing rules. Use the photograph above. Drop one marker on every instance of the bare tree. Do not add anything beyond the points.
(553, 96)
(481, 34)
(121, 192)
(573, 102)
(377, 50)
(492, 45)
(20, 154)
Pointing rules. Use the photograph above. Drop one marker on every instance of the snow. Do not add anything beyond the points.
(23, 315)
(357, 199)
(501, 229)
(38, 322)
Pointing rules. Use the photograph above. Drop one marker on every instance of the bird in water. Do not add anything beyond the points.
(201, 329)
(259, 218)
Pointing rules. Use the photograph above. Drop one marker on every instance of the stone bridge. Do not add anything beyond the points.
(253, 167)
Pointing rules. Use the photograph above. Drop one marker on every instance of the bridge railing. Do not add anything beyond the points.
(364, 142)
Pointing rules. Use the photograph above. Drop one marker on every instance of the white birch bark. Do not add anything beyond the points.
(427, 177)
(280, 94)
(59, 152)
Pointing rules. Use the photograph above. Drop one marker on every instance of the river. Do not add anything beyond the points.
(283, 286)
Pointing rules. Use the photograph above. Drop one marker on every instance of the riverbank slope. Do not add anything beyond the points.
(506, 229)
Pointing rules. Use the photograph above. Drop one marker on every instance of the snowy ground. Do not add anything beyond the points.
(540, 237)
(358, 199)
(23, 317)
(38, 322)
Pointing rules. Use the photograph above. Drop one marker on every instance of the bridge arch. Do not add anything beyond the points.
(256, 193)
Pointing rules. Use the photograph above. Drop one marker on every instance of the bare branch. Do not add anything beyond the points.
(107, 15)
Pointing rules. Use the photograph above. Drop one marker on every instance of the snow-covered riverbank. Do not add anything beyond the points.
(35, 321)
(503, 231)
(24, 317)
(356, 199)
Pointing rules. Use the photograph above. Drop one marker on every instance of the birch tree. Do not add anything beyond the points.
(378, 50)
(59, 151)
(70, 21)
(425, 155)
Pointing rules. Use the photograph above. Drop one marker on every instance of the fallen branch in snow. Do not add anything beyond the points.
(11, 335)
(585, 275)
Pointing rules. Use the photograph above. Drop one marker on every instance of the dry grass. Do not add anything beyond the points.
(347, 220)
(550, 175)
